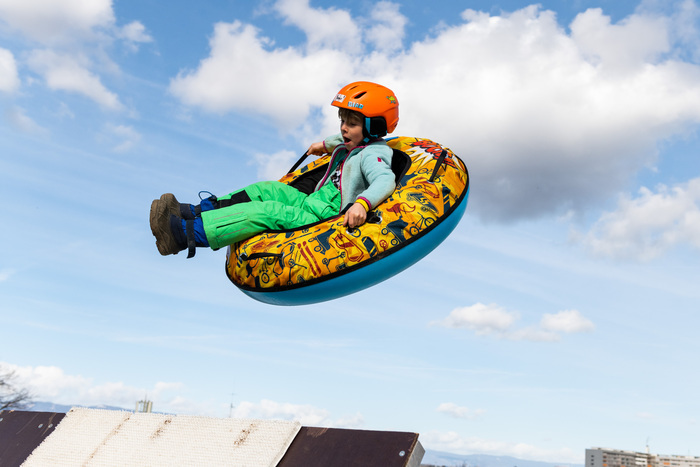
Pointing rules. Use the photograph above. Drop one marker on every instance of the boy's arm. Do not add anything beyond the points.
(326, 146)
(316, 149)
(376, 168)
(355, 216)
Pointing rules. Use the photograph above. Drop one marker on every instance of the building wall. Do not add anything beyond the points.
(675, 461)
(599, 457)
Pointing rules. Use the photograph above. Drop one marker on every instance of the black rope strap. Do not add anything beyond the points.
(191, 243)
(440, 161)
(301, 159)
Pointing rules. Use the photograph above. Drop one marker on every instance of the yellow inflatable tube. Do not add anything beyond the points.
(325, 260)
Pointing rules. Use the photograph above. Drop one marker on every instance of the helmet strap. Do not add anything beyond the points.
(366, 129)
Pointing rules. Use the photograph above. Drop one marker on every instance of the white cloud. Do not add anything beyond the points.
(51, 21)
(386, 28)
(457, 411)
(64, 112)
(455, 443)
(306, 414)
(273, 166)
(538, 121)
(133, 34)
(122, 137)
(70, 73)
(329, 28)
(242, 74)
(52, 384)
(685, 16)
(482, 319)
(645, 227)
(19, 120)
(634, 42)
(74, 36)
(686, 20)
(492, 320)
(569, 322)
(9, 79)
(548, 121)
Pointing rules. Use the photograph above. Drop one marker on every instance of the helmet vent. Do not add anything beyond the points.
(360, 95)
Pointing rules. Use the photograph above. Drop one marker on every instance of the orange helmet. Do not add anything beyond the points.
(376, 102)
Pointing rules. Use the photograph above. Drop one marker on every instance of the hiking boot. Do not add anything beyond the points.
(161, 210)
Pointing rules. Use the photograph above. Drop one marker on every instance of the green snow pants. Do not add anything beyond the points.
(273, 206)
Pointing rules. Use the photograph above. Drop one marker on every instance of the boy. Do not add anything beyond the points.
(359, 175)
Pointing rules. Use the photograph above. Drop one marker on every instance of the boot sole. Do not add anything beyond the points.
(159, 219)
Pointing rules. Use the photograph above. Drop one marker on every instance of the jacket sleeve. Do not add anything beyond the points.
(332, 142)
(376, 169)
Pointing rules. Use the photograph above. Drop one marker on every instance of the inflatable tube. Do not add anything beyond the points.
(325, 260)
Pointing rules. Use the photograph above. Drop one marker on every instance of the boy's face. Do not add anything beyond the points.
(351, 131)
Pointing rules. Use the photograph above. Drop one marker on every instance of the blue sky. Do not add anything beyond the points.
(561, 314)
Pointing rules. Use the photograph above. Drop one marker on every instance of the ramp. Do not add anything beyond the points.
(94, 437)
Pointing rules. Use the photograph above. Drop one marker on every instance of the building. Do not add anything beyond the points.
(600, 457)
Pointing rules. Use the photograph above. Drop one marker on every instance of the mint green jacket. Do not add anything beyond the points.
(366, 171)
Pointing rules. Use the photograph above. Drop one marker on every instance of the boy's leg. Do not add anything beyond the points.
(232, 224)
(260, 191)
(285, 208)
(323, 203)
(263, 191)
